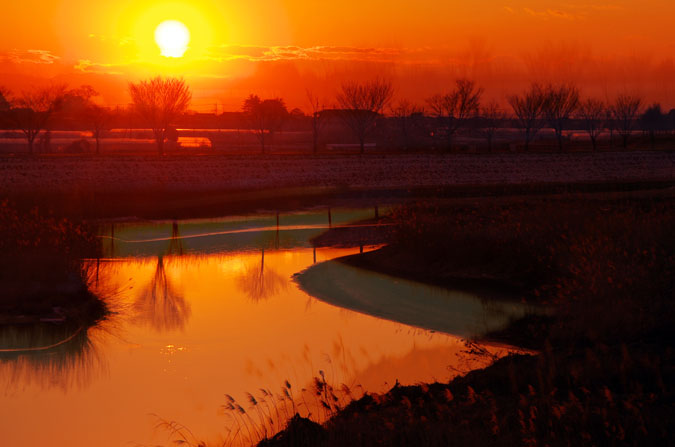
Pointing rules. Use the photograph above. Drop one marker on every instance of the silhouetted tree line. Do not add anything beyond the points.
(365, 109)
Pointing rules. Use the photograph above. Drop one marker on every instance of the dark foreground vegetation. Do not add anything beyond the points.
(604, 373)
(40, 269)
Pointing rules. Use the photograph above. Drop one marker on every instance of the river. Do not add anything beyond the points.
(203, 312)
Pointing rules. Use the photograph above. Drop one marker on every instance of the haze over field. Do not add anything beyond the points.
(282, 47)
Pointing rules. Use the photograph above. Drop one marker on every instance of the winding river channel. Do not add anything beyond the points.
(201, 309)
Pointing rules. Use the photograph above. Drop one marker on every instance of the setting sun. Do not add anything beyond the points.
(172, 37)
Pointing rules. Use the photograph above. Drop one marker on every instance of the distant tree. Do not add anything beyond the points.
(441, 106)
(75, 101)
(610, 123)
(653, 121)
(5, 105)
(454, 108)
(5, 96)
(528, 109)
(407, 117)
(32, 109)
(160, 101)
(296, 113)
(362, 104)
(98, 121)
(79, 105)
(318, 119)
(561, 101)
(624, 112)
(265, 116)
(492, 117)
(296, 120)
(592, 113)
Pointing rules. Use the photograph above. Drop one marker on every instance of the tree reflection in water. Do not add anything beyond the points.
(259, 282)
(50, 356)
(160, 305)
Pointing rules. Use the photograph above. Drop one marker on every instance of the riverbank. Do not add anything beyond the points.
(40, 273)
(604, 374)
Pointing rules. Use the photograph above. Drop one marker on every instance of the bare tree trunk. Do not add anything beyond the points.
(527, 139)
(159, 139)
(560, 140)
(315, 133)
(611, 138)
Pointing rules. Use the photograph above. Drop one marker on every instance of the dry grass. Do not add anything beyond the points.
(604, 374)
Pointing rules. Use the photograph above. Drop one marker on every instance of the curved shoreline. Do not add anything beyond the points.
(433, 308)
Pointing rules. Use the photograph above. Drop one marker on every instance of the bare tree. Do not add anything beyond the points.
(5, 106)
(260, 282)
(98, 121)
(407, 117)
(492, 118)
(454, 108)
(32, 109)
(442, 107)
(362, 104)
(528, 109)
(160, 101)
(592, 113)
(318, 121)
(561, 101)
(265, 116)
(610, 123)
(5, 96)
(624, 112)
(160, 305)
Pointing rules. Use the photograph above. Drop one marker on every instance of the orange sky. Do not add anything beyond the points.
(282, 47)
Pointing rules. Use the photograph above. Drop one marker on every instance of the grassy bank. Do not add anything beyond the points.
(40, 269)
(605, 371)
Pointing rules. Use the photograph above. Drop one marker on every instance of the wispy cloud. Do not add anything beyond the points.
(552, 14)
(121, 41)
(30, 56)
(87, 66)
(561, 14)
(276, 53)
(594, 6)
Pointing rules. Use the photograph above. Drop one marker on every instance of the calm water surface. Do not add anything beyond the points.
(205, 308)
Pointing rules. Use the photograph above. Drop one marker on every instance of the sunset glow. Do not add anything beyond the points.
(265, 223)
(284, 47)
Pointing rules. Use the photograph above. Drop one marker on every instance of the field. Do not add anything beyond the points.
(123, 174)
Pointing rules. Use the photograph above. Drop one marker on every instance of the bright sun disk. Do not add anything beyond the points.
(172, 37)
